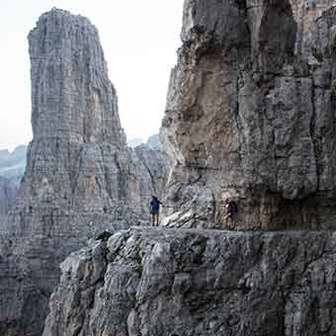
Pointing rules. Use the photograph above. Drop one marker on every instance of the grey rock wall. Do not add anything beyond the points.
(305, 13)
(8, 192)
(250, 117)
(80, 177)
(198, 282)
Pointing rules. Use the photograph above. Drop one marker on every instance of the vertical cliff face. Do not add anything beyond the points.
(72, 97)
(8, 191)
(305, 12)
(75, 117)
(80, 177)
(249, 117)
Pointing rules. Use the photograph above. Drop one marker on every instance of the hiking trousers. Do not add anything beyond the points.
(155, 219)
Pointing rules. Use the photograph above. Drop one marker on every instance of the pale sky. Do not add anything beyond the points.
(139, 38)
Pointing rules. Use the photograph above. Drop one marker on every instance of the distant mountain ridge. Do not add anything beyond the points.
(13, 164)
(153, 142)
(12, 167)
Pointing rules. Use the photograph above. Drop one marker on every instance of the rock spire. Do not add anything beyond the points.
(72, 96)
(80, 177)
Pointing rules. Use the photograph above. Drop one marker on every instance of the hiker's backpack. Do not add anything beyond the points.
(154, 206)
(233, 207)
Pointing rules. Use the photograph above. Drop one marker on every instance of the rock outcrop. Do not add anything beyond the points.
(305, 13)
(80, 179)
(250, 117)
(193, 282)
(8, 192)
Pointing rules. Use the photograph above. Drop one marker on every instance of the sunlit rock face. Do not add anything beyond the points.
(80, 177)
(198, 282)
(250, 117)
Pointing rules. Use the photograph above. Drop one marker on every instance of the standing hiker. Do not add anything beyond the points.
(154, 207)
(231, 210)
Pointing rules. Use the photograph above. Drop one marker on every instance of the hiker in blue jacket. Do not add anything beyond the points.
(154, 207)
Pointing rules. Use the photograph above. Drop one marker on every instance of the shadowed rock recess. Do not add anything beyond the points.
(80, 177)
(251, 114)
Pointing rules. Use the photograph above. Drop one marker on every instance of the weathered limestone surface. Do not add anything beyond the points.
(80, 177)
(8, 191)
(197, 283)
(305, 13)
(249, 116)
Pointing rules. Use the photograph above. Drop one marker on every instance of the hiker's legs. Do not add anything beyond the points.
(229, 221)
(233, 220)
(155, 218)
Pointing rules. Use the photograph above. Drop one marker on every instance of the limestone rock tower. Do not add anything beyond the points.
(80, 177)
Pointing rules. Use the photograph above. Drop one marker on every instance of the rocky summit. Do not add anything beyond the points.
(251, 115)
(80, 179)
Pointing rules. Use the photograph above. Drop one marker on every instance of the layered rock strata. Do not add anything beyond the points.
(80, 177)
(305, 13)
(249, 117)
(8, 192)
(198, 283)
